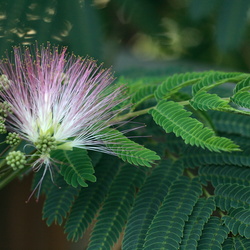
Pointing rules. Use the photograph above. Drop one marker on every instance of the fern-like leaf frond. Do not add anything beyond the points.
(224, 174)
(241, 243)
(174, 118)
(166, 229)
(216, 78)
(130, 151)
(205, 101)
(75, 166)
(58, 202)
(231, 123)
(90, 199)
(116, 207)
(200, 157)
(176, 82)
(232, 195)
(243, 85)
(142, 94)
(213, 234)
(193, 227)
(148, 201)
(242, 99)
(238, 221)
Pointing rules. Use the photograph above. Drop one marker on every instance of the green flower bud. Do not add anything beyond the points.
(2, 128)
(16, 160)
(45, 144)
(12, 139)
(5, 108)
(4, 82)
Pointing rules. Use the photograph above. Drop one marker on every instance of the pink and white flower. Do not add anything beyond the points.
(58, 98)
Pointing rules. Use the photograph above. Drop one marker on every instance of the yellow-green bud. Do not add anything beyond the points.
(16, 160)
(2, 128)
(4, 82)
(5, 108)
(12, 138)
(45, 144)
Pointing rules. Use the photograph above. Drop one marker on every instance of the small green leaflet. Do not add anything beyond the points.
(205, 101)
(130, 151)
(75, 166)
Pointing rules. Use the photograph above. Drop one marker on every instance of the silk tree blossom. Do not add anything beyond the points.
(59, 101)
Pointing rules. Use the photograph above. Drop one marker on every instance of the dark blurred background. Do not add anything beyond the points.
(137, 37)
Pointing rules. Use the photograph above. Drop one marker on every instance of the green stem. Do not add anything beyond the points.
(190, 174)
(141, 101)
(206, 193)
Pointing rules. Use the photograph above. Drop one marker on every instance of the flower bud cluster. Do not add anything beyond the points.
(45, 143)
(16, 160)
(4, 82)
(2, 127)
(12, 138)
(5, 108)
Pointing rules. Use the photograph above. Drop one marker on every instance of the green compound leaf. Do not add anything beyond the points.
(216, 78)
(90, 199)
(241, 243)
(232, 196)
(194, 226)
(235, 243)
(130, 151)
(115, 210)
(147, 203)
(243, 85)
(231, 123)
(199, 157)
(75, 166)
(142, 94)
(174, 118)
(224, 174)
(59, 201)
(238, 221)
(228, 244)
(167, 227)
(176, 82)
(242, 99)
(213, 234)
(205, 101)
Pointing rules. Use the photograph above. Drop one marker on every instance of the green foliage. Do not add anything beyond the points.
(224, 174)
(174, 118)
(195, 224)
(58, 202)
(148, 202)
(75, 166)
(195, 197)
(214, 79)
(130, 151)
(176, 82)
(199, 157)
(232, 196)
(238, 221)
(231, 123)
(90, 199)
(142, 94)
(205, 101)
(116, 208)
(167, 227)
(242, 99)
(213, 234)
(242, 86)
